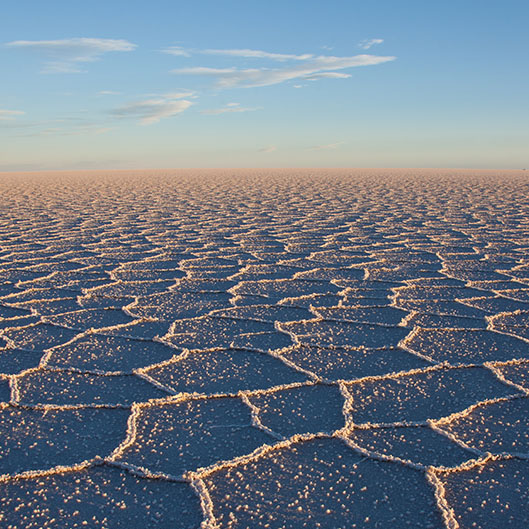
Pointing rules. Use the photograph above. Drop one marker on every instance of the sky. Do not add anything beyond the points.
(132, 84)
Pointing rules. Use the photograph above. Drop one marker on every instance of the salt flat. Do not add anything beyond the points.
(264, 349)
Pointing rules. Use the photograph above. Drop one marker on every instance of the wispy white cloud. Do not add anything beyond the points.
(254, 77)
(204, 70)
(151, 111)
(180, 95)
(327, 75)
(75, 131)
(244, 52)
(270, 148)
(67, 55)
(368, 43)
(108, 93)
(230, 107)
(327, 147)
(177, 50)
(259, 54)
(8, 115)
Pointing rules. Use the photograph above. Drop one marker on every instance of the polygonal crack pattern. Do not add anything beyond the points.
(264, 349)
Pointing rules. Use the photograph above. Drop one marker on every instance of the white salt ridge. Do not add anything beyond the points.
(287, 348)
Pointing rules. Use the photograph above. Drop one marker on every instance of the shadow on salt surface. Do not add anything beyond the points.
(343, 364)
(490, 495)
(18, 322)
(440, 308)
(42, 386)
(40, 439)
(99, 496)
(181, 436)
(496, 427)
(130, 288)
(108, 353)
(173, 305)
(306, 409)
(38, 337)
(83, 320)
(344, 334)
(206, 332)
(321, 483)
(470, 346)
(417, 397)
(7, 289)
(223, 371)
(5, 390)
(13, 312)
(14, 361)
(417, 444)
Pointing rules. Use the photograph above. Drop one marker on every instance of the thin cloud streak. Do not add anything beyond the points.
(243, 52)
(255, 77)
(177, 51)
(67, 55)
(328, 147)
(327, 75)
(270, 148)
(259, 54)
(230, 107)
(151, 111)
(369, 43)
(8, 115)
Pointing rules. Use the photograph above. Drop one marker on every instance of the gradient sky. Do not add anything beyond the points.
(219, 83)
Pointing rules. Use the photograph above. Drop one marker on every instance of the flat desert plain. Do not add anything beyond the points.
(264, 349)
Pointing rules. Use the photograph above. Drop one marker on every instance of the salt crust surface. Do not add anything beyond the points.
(264, 349)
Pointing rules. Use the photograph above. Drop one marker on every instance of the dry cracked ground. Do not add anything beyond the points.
(264, 349)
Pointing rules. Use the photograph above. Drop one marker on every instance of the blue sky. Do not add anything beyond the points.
(220, 83)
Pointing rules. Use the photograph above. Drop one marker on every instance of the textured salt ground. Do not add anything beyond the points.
(40, 439)
(291, 488)
(98, 497)
(223, 371)
(493, 494)
(96, 352)
(282, 349)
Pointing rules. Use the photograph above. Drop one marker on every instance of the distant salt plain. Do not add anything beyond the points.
(264, 349)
